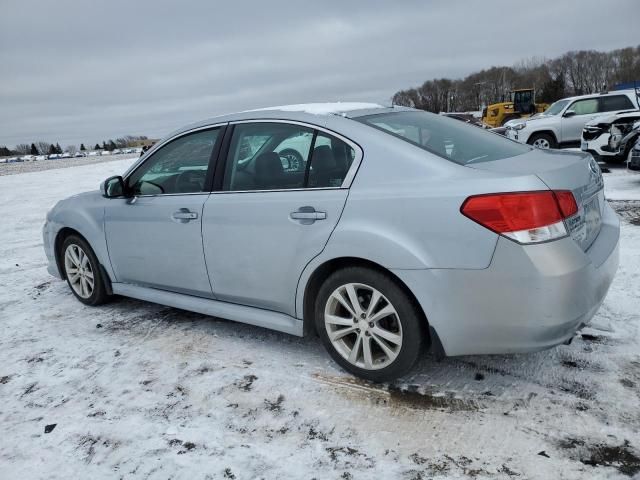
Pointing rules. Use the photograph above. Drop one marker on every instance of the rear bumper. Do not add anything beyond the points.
(530, 297)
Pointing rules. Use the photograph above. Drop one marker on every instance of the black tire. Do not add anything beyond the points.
(99, 293)
(624, 156)
(413, 324)
(543, 136)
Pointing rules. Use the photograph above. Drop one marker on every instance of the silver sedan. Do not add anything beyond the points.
(384, 230)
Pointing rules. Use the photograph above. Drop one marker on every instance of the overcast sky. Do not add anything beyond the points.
(87, 71)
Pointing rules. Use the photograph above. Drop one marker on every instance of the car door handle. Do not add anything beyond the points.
(184, 215)
(307, 215)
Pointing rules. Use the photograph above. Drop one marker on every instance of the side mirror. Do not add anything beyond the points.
(569, 113)
(113, 187)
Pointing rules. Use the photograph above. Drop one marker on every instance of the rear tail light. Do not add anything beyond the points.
(526, 217)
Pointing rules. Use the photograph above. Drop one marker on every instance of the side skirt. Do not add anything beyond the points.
(229, 311)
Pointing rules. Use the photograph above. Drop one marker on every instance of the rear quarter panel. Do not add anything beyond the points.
(403, 210)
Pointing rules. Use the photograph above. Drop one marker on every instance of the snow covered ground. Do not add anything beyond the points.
(144, 391)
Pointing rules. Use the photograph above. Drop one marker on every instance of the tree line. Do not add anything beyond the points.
(574, 73)
(46, 148)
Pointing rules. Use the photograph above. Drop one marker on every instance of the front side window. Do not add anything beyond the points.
(282, 156)
(615, 102)
(446, 137)
(178, 167)
(585, 107)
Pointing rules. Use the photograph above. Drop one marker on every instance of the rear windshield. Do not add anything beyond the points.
(446, 137)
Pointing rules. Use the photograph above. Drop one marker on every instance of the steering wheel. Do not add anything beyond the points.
(190, 181)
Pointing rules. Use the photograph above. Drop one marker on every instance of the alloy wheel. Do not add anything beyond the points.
(363, 326)
(77, 266)
(541, 143)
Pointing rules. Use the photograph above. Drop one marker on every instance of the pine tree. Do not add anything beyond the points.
(104, 145)
(34, 149)
(97, 147)
(112, 145)
(58, 148)
(82, 149)
(52, 149)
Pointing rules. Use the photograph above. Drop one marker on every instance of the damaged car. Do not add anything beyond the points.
(634, 160)
(611, 137)
(561, 124)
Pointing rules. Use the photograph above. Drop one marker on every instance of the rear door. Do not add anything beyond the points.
(269, 215)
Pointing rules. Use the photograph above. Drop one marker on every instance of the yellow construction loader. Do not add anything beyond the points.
(522, 105)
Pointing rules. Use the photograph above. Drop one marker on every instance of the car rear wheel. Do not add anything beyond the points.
(542, 140)
(82, 270)
(368, 324)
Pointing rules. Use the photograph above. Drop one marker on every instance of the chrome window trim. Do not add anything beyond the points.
(168, 194)
(226, 192)
(346, 183)
(157, 147)
(351, 173)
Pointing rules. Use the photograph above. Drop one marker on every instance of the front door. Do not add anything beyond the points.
(154, 238)
(272, 215)
(572, 126)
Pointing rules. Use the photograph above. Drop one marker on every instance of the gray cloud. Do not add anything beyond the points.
(76, 71)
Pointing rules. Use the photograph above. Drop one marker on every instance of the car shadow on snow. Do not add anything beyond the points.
(456, 384)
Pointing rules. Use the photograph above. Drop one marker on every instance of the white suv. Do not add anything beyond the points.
(562, 123)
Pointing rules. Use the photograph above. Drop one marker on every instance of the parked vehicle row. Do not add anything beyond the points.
(612, 137)
(56, 156)
(561, 125)
(396, 229)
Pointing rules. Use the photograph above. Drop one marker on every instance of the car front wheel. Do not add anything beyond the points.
(542, 140)
(82, 271)
(368, 324)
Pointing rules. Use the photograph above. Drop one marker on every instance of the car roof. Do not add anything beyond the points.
(312, 113)
(603, 94)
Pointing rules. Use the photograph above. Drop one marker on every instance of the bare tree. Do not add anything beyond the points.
(43, 147)
(23, 148)
(574, 73)
(71, 149)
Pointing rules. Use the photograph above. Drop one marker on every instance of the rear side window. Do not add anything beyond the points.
(448, 138)
(615, 102)
(330, 162)
(282, 156)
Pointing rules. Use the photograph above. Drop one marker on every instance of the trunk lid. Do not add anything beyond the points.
(577, 172)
